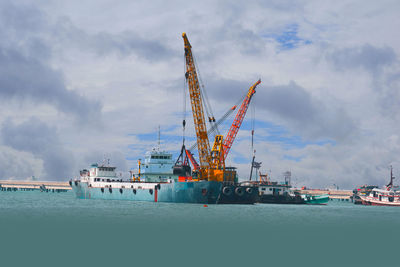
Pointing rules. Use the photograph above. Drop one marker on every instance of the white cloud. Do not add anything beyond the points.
(97, 71)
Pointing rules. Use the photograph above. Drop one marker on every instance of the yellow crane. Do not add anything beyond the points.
(210, 167)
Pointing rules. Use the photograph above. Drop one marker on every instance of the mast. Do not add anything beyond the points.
(390, 185)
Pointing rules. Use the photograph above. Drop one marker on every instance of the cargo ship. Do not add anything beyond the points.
(156, 182)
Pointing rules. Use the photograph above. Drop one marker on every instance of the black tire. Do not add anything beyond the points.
(239, 191)
(227, 191)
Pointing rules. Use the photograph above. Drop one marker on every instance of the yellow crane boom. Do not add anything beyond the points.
(211, 168)
(197, 107)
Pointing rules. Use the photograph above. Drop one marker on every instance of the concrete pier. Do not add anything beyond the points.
(43, 186)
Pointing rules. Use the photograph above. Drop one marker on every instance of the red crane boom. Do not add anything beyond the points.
(230, 137)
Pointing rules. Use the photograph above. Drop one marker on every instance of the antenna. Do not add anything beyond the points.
(159, 134)
(288, 177)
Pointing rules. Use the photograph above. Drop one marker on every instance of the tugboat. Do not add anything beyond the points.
(390, 196)
(273, 192)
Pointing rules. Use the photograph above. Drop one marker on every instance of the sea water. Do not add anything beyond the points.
(56, 229)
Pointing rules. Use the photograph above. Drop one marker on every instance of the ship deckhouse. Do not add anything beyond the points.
(157, 166)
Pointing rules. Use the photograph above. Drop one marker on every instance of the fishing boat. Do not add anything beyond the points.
(315, 199)
(389, 196)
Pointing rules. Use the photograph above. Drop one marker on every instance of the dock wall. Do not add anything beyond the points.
(44, 186)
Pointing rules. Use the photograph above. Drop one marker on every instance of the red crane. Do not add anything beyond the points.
(230, 137)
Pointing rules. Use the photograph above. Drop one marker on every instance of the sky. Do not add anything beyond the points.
(84, 81)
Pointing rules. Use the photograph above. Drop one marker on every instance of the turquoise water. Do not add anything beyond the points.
(55, 229)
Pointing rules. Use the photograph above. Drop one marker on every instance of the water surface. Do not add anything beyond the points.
(56, 229)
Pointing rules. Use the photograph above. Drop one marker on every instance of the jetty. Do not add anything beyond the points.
(43, 186)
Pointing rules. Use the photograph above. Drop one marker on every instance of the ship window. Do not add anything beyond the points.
(270, 189)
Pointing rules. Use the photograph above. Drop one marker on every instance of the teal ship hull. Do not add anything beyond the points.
(316, 199)
(203, 192)
(180, 192)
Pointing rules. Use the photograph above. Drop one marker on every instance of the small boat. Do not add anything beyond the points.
(273, 192)
(315, 199)
(389, 196)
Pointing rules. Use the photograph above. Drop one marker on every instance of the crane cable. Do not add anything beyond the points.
(253, 114)
(221, 120)
(184, 102)
(206, 102)
(253, 151)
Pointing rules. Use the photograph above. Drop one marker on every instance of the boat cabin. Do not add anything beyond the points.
(157, 166)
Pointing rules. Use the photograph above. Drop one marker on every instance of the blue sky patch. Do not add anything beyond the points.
(264, 132)
(278, 134)
(288, 39)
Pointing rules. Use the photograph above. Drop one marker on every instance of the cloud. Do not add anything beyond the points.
(330, 79)
(16, 164)
(103, 43)
(367, 57)
(29, 79)
(295, 107)
(383, 66)
(42, 141)
(26, 73)
(305, 113)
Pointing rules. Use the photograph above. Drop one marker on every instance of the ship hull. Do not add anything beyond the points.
(203, 192)
(237, 194)
(316, 200)
(372, 202)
